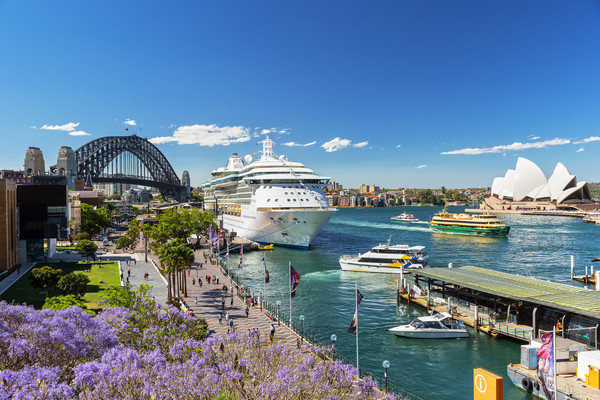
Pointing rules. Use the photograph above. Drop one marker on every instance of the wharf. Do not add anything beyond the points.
(512, 305)
(573, 214)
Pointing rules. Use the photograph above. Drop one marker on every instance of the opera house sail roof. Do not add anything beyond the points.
(527, 182)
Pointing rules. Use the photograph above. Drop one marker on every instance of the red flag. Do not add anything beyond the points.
(294, 280)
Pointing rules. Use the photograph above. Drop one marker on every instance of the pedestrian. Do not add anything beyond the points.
(193, 281)
(232, 290)
(257, 335)
(251, 301)
(272, 332)
(134, 262)
(247, 311)
(231, 325)
(128, 280)
(121, 276)
(196, 300)
(189, 272)
(200, 282)
(217, 279)
(231, 302)
(220, 318)
(227, 316)
(223, 302)
(297, 343)
(208, 279)
(128, 273)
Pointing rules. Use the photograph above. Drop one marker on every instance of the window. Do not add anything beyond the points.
(276, 200)
(268, 200)
(286, 192)
(294, 199)
(288, 199)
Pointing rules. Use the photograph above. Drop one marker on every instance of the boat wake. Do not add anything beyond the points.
(378, 225)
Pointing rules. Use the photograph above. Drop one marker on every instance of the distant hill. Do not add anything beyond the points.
(595, 190)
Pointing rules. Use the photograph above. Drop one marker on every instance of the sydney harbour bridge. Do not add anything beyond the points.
(130, 160)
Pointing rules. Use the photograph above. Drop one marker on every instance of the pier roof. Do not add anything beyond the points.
(554, 295)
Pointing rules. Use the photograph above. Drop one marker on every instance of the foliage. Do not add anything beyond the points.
(93, 221)
(74, 283)
(45, 278)
(426, 197)
(123, 296)
(175, 256)
(86, 248)
(124, 242)
(147, 352)
(82, 236)
(133, 232)
(64, 302)
(455, 195)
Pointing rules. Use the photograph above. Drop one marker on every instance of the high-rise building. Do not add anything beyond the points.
(8, 224)
(66, 165)
(363, 188)
(34, 162)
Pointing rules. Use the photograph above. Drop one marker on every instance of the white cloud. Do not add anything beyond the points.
(588, 140)
(335, 144)
(266, 131)
(68, 127)
(533, 137)
(33, 127)
(309, 143)
(206, 135)
(580, 150)
(361, 144)
(398, 146)
(171, 126)
(78, 133)
(130, 122)
(284, 131)
(516, 146)
(421, 166)
(291, 144)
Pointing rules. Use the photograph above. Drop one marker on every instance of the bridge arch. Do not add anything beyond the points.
(95, 157)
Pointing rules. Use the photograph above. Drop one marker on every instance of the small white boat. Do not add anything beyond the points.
(388, 259)
(404, 217)
(438, 326)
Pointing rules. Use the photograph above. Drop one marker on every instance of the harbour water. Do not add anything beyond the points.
(434, 369)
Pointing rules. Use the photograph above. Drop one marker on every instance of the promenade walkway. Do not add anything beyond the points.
(206, 302)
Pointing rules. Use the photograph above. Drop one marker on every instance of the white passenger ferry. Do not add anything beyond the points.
(270, 200)
(387, 258)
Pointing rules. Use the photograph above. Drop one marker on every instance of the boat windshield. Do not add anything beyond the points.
(425, 324)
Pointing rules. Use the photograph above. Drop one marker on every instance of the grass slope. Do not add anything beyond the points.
(22, 291)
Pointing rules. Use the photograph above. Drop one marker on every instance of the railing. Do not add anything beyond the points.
(278, 315)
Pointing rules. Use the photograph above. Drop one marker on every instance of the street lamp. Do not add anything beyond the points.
(333, 339)
(386, 365)
(301, 318)
(278, 320)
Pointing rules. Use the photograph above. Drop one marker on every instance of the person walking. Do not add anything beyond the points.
(200, 282)
(272, 333)
(231, 302)
(128, 273)
(193, 281)
(231, 325)
(226, 316)
(247, 311)
(220, 318)
(223, 302)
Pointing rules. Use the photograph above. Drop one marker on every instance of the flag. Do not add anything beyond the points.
(546, 365)
(352, 328)
(294, 280)
(241, 256)
(266, 272)
(126, 129)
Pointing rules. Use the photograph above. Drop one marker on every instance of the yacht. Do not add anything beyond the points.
(438, 326)
(387, 258)
(467, 224)
(404, 217)
(271, 200)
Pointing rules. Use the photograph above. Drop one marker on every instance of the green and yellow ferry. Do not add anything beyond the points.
(467, 224)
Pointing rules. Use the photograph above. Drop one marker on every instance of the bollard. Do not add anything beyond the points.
(597, 280)
(449, 265)
(572, 267)
(476, 321)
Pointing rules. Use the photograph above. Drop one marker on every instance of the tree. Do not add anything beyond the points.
(175, 255)
(124, 242)
(74, 283)
(64, 302)
(125, 297)
(93, 220)
(45, 278)
(82, 236)
(86, 248)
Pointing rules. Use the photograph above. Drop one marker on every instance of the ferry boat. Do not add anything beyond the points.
(270, 200)
(388, 259)
(404, 217)
(438, 326)
(467, 224)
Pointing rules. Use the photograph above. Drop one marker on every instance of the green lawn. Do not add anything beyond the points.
(22, 291)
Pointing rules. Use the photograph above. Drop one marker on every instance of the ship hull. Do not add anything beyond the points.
(289, 228)
(469, 230)
(361, 267)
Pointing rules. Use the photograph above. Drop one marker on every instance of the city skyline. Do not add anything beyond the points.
(393, 94)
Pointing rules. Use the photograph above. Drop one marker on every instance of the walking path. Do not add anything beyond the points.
(206, 301)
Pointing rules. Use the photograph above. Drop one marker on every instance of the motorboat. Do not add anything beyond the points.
(266, 247)
(404, 217)
(437, 326)
(387, 258)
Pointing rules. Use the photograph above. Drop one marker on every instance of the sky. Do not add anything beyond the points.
(418, 94)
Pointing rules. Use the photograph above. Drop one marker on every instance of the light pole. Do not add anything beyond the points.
(386, 365)
(278, 320)
(333, 339)
(301, 318)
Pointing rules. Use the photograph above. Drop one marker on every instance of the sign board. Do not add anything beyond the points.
(487, 386)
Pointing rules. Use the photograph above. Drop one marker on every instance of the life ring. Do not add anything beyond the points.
(536, 386)
(527, 385)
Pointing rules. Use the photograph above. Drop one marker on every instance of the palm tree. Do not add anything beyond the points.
(176, 256)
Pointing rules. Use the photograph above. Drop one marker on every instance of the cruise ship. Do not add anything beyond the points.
(270, 200)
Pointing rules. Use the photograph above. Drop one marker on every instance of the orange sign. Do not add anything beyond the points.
(486, 386)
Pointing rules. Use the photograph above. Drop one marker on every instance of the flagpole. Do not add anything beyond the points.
(554, 359)
(264, 285)
(356, 302)
(290, 278)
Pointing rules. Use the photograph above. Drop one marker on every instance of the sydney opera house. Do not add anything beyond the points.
(526, 188)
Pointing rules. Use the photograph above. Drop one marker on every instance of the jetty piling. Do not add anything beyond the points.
(572, 267)
(598, 281)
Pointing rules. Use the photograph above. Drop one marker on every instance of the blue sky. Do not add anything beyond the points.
(392, 93)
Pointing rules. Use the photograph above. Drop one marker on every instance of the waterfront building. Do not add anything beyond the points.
(344, 201)
(526, 188)
(363, 188)
(8, 224)
(374, 189)
(353, 201)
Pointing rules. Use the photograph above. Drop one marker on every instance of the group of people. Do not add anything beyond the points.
(214, 279)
